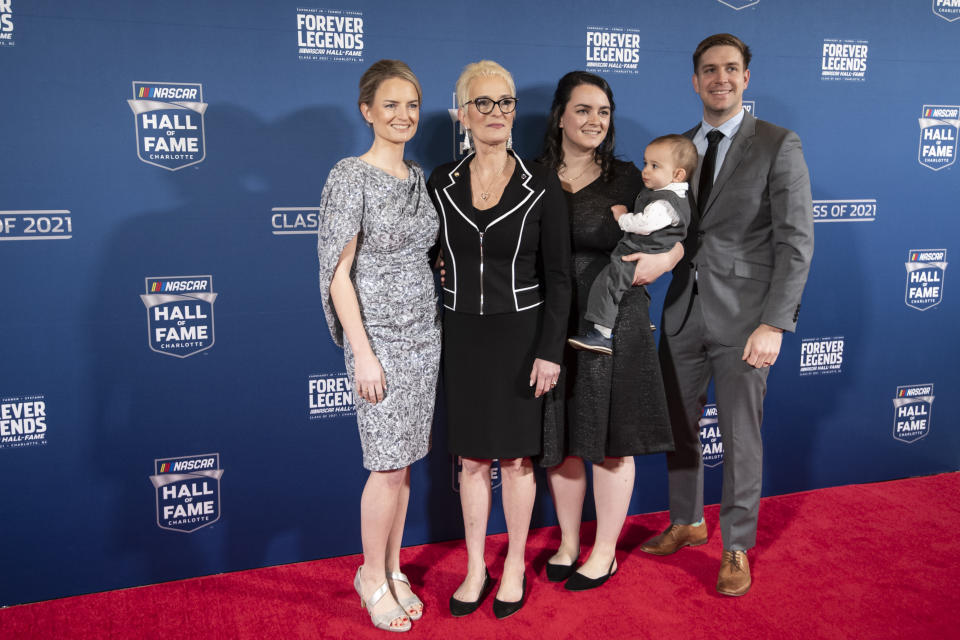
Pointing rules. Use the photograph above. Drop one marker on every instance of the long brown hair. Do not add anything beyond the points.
(552, 154)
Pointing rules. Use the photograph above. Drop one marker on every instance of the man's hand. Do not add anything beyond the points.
(618, 210)
(651, 266)
(763, 346)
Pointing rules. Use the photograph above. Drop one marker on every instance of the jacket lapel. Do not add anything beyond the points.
(516, 193)
(458, 190)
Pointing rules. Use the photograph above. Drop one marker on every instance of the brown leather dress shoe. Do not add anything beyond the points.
(676, 537)
(734, 577)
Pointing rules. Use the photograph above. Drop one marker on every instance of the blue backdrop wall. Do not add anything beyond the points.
(171, 404)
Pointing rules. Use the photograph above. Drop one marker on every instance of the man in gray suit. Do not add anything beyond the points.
(734, 293)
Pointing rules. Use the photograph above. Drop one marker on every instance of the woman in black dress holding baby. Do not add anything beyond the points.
(612, 407)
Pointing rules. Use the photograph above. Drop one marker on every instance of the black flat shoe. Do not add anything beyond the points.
(503, 609)
(580, 582)
(560, 572)
(459, 608)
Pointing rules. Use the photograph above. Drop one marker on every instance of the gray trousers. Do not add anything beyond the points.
(608, 288)
(689, 360)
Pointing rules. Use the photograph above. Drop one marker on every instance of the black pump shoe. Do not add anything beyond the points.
(459, 608)
(580, 582)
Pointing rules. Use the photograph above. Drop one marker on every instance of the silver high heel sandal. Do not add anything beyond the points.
(407, 603)
(381, 620)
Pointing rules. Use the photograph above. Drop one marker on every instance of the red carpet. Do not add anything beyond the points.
(863, 561)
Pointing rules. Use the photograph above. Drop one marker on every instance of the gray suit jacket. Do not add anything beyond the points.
(751, 249)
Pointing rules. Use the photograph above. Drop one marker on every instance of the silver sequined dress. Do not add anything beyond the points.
(397, 225)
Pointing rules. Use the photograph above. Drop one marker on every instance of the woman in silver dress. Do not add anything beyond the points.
(377, 225)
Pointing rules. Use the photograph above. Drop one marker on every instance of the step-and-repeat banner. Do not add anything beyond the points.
(171, 404)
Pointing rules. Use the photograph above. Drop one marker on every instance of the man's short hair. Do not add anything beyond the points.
(721, 39)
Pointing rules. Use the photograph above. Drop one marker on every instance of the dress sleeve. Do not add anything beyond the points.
(341, 218)
(555, 255)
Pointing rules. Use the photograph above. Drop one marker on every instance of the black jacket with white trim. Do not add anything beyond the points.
(522, 245)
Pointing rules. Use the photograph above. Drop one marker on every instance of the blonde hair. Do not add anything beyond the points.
(382, 70)
(481, 69)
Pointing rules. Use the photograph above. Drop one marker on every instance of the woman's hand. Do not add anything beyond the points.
(544, 375)
(370, 381)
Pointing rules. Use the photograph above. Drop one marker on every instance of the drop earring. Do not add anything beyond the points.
(465, 146)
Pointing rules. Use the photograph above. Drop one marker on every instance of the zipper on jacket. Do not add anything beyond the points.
(481, 272)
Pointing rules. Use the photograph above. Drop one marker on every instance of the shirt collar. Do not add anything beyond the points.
(679, 188)
(728, 128)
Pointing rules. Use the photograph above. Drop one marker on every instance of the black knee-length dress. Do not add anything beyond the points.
(611, 406)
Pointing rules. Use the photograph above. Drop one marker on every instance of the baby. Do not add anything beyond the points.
(661, 219)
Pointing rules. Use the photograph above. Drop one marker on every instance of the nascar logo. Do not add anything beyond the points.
(926, 269)
(912, 410)
(179, 314)
(938, 136)
(168, 118)
(187, 491)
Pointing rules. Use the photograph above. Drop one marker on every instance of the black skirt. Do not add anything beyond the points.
(491, 411)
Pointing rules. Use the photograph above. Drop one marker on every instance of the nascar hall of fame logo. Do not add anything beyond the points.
(330, 395)
(460, 147)
(188, 491)
(938, 135)
(328, 34)
(925, 271)
(739, 4)
(23, 421)
(751, 107)
(844, 60)
(613, 50)
(169, 121)
(294, 221)
(496, 479)
(845, 210)
(40, 224)
(6, 24)
(949, 10)
(912, 408)
(711, 446)
(179, 314)
(821, 355)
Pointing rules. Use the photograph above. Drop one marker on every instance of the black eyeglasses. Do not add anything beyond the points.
(485, 105)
